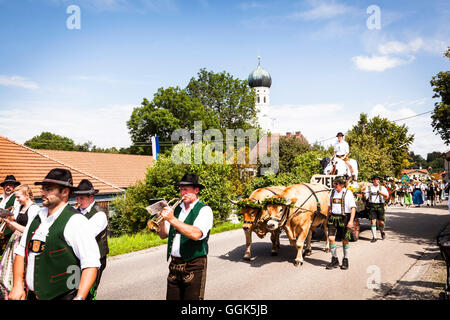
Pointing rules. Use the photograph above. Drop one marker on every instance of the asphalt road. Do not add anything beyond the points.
(374, 267)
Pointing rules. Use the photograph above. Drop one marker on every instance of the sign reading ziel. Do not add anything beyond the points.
(326, 180)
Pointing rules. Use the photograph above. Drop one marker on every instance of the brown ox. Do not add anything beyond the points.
(300, 214)
(255, 219)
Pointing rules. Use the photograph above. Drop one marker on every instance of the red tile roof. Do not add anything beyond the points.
(122, 170)
(29, 165)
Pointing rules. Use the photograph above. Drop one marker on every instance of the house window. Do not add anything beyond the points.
(264, 99)
(258, 99)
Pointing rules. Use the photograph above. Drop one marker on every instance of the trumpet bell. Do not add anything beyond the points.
(153, 226)
(155, 209)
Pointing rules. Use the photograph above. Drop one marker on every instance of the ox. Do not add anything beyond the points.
(255, 218)
(337, 166)
(300, 208)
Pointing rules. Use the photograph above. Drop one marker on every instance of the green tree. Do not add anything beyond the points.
(51, 141)
(169, 110)
(289, 149)
(308, 164)
(417, 161)
(220, 181)
(390, 139)
(441, 114)
(230, 100)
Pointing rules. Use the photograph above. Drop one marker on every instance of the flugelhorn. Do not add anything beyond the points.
(155, 209)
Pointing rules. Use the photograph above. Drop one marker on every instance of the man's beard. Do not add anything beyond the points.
(49, 204)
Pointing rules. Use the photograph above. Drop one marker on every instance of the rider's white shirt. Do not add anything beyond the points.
(341, 148)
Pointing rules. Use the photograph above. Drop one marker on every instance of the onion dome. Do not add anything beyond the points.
(259, 77)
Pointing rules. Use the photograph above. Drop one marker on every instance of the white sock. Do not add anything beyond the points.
(374, 231)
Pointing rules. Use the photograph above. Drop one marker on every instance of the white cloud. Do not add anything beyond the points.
(316, 122)
(251, 5)
(425, 140)
(396, 47)
(322, 10)
(104, 127)
(17, 81)
(379, 63)
(321, 122)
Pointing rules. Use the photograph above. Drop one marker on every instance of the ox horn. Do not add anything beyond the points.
(320, 159)
(232, 201)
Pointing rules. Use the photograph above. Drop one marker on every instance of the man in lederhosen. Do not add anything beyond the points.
(8, 201)
(188, 229)
(341, 214)
(376, 194)
(98, 219)
(58, 253)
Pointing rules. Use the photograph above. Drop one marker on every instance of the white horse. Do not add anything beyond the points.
(337, 166)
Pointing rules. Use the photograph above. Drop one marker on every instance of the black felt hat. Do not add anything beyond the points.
(339, 134)
(85, 188)
(339, 179)
(190, 179)
(375, 176)
(10, 180)
(62, 177)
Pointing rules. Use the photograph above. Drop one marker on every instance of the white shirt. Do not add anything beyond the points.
(77, 233)
(32, 211)
(204, 222)
(371, 193)
(5, 199)
(336, 201)
(98, 222)
(341, 148)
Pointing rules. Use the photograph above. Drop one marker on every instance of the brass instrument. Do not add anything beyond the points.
(155, 209)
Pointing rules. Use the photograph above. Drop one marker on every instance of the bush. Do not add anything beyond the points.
(219, 180)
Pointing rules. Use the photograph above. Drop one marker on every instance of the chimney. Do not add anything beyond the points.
(297, 133)
(288, 134)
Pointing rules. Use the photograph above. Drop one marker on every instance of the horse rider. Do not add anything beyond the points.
(341, 150)
(376, 194)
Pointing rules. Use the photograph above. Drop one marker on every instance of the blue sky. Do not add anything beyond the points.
(326, 65)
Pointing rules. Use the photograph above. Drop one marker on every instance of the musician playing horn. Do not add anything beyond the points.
(187, 227)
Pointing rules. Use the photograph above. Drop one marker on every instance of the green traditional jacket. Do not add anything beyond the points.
(9, 203)
(51, 265)
(102, 237)
(189, 249)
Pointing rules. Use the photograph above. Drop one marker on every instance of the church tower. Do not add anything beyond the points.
(260, 80)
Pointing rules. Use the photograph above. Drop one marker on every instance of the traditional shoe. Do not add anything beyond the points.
(333, 264)
(344, 264)
(373, 240)
(383, 235)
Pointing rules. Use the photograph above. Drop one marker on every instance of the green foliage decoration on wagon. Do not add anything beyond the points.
(276, 201)
(249, 203)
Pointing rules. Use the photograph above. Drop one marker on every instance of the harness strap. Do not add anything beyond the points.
(286, 211)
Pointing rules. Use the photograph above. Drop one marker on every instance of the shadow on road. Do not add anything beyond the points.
(408, 226)
(262, 253)
(408, 290)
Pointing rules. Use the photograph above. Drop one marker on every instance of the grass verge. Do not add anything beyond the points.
(144, 240)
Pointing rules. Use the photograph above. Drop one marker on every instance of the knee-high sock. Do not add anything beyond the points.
(374, 230)
(346, 250)
(333, 250)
